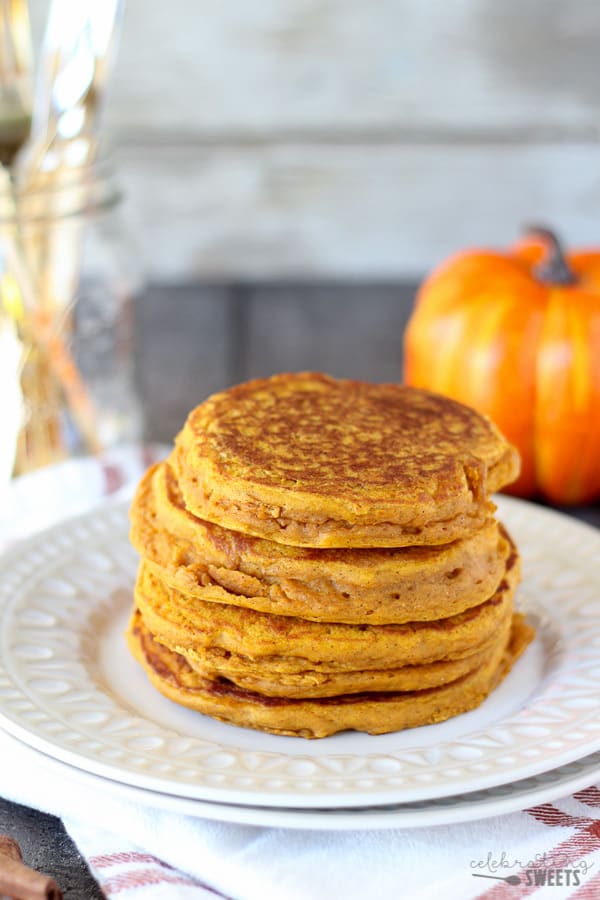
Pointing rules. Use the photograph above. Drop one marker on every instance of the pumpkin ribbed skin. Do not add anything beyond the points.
(488, 332)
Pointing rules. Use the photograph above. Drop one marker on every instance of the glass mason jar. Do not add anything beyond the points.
(68, 278)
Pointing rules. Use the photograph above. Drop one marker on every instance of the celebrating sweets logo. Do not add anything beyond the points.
(539, 872)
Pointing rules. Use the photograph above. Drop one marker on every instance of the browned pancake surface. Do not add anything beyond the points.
(386, 585)
(308, 460)
(186, 623)
(263, 678)
(373, 712)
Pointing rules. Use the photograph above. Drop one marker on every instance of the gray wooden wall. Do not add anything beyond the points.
(192, 340)
(349, 139)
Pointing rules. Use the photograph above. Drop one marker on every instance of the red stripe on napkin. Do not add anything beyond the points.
(110, 859)
(590, 796)
(138, 877)
(550, 815)
(588, 891)
(585, 840)
(113, 478)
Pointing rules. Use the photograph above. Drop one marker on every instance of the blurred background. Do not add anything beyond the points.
(292, 169)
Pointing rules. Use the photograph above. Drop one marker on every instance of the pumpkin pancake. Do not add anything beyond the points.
(310, 461)
(374, 712)
(380, 586)
(260, 676)
(191, 624)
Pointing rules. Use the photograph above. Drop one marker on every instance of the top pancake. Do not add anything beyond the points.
(311, 461)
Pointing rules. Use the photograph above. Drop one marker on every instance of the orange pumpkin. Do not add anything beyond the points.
(517, 336)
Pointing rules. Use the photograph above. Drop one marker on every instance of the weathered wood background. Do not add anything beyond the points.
(338, 138)
(192, 340)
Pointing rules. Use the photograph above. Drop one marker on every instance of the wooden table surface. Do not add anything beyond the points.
(191, 341)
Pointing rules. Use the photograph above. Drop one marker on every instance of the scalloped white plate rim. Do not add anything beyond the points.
(513, 797)
(69, 688)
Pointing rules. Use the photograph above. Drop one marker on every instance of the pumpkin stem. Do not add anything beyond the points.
(554, 269)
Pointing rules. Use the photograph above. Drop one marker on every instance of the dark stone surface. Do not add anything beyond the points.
(589, 514)
(47, 847)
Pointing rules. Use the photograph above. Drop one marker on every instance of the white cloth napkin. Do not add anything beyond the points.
(136, 850)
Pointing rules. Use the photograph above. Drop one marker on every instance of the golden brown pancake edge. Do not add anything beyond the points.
(374, 713)
(308, 460)
(378, 586)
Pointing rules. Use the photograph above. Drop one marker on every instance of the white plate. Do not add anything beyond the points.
(496, 801)
(68, 686)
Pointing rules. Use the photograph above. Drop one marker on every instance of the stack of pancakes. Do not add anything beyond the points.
(321, 555)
